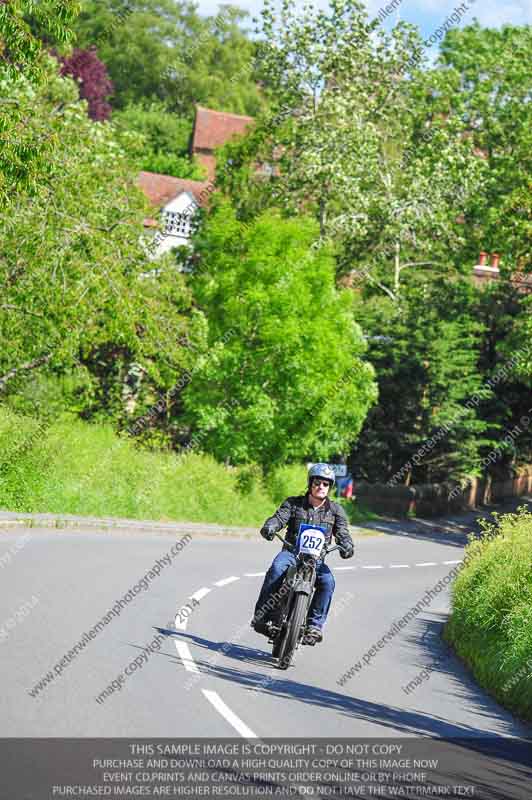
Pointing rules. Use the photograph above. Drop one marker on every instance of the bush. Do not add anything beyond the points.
(491, 620)
(72, 467)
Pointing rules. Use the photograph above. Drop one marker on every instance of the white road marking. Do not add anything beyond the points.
(186, 657)
(189, 664)
(229, 715)
(225, 581)
(200, 593)
(180, 626)
(338, 569)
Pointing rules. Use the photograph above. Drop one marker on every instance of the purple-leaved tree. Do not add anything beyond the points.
(94, 83)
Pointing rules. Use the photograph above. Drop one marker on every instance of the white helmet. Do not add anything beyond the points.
(321, 471)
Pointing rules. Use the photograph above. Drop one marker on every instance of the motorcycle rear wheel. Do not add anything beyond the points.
(293, 629)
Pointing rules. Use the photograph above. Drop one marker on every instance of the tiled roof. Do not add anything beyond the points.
(207, 161)
(214, 128)
(160, 189)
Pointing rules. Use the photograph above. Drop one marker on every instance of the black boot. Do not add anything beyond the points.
(260, 626)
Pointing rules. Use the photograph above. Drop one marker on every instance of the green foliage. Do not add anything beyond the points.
(162, 141)
(161, 49)
(64, 468)
(491, 620)
(287, 481)
(71, 279)
(489, 85)
(425, 352)
(20, 49)
(284, 378)
(215, 66)
(506, 361)
(351, 130)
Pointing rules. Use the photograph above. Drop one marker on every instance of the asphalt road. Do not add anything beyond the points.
(213, 676)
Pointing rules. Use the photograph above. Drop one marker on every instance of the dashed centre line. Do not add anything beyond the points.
(200, 594)
(225, 581)
(189, 664)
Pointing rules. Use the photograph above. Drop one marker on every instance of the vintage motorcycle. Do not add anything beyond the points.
(287, 627)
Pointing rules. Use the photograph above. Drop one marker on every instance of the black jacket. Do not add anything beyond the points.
(295, 510)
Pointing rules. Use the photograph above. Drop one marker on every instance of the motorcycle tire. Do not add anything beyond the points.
(293, 629)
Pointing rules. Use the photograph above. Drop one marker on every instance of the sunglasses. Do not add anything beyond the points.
(318, 482)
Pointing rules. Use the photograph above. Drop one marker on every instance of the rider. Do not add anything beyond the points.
(313, 508)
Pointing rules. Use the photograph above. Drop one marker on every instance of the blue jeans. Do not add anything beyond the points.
(273, 581)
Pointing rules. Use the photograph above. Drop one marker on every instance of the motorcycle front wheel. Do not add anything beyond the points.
(293, 629)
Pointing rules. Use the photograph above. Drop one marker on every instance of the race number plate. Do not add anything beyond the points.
(310, 540)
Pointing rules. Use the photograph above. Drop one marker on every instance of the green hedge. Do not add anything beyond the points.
(491, 621)
(71, 467)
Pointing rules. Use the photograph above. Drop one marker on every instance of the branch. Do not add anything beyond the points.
(381, 286)
(30, 365)
(418, 264)
(9, 307)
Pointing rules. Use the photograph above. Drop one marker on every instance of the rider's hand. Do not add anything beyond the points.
(347, 551)
(267, 533)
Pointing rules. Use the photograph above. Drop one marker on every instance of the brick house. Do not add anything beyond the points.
(175, 200)
(213, 129)
(484, 273)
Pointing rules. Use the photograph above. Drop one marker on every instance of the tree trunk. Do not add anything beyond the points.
(323, 217)
(397, 268)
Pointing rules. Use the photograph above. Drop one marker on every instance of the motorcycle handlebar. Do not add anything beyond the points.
(291, 546)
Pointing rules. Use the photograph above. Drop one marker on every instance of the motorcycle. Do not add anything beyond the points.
(287, 629)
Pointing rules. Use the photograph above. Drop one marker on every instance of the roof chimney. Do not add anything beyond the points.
(486, 272)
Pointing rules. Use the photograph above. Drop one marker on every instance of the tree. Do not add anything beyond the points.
(73, 293)
(351, 130)
(163, 50)
(94, 84)
(215, 66)
(20, 49)
(489, 84)
(23, 155)
(162, 144)
(506, 363)
(425, 351)
(285, 377)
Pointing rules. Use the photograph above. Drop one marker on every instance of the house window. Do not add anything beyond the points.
(177, 224)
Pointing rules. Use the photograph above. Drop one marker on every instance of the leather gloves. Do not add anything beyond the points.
(267, 533)
(347, 551)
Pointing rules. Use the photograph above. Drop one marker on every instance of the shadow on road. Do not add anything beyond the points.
(278, 684)
(452, 531)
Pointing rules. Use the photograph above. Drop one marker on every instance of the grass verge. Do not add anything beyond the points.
(491, 621)
(71, 467)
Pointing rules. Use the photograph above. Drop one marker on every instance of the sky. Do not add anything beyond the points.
(427, 14)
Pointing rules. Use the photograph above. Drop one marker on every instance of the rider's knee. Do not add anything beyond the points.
(328, 581)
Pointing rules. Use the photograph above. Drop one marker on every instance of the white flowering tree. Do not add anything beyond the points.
(357, 138)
